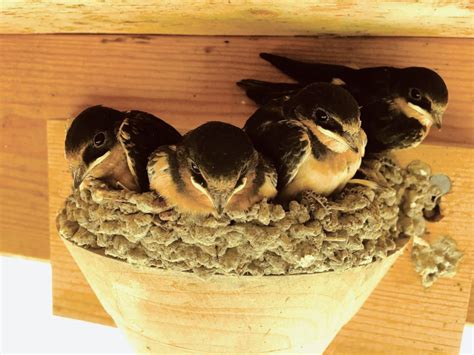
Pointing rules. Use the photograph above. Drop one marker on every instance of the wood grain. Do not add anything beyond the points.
(240, 17)
(400, 315)
(23, 186)
(185, 80)
(470, 311)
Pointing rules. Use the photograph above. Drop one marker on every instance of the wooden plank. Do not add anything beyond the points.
(72, 296)
(240, 17)
(470, 311)
(401, 315)
(185, 80)
(188, 80)
(23, 186)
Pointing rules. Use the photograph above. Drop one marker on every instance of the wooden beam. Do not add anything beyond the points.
(188, 80)
(185, 80)
(23, 186)
(400, 315)
(470, 311)
(240, 17)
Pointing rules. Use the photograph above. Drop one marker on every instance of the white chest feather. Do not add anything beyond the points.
(326, 176)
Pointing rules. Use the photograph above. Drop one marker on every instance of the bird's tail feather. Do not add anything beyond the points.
(307, 72)
(263, 91)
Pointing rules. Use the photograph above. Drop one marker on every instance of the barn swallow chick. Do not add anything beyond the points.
(398, 106)
(214, 169)
(114, 146)
(314, 138)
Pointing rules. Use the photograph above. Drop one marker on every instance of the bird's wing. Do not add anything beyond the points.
(163, 172)
(310, 72)
(270, 171)
(400, 133)
(271, 112)
(158, 161)
(295, 146)
(263, 91)
(140, 134)
(387, 131)
(372, 85)
(284, 142)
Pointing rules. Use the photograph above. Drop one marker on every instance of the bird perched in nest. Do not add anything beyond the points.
(398, 106)
(313, 136)
(114, 146)
(214, 168)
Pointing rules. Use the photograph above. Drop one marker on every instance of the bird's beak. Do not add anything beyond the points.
(219, 209)
(350, 142)
(220, 200)
(78, 176)
(438, 118)
(80, 172)
(437, 112)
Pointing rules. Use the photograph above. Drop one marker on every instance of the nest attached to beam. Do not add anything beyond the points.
(352, 228)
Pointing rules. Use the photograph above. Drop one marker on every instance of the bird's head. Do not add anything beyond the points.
(217, 158)
(330, 112)
(90, 138)
(422, 94)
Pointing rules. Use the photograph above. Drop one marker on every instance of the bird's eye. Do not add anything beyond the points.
(197, 176)
(195, 169)
(321, 115)
(415, 94)
(99, 139)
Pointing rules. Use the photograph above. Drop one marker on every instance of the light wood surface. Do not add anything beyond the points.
(240, 17)
(23, 184)
(165, 311)
(400, 315)
(470, 311)
(185, 80)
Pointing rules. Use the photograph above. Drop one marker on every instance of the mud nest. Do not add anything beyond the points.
(436, 260)
(360, 225)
